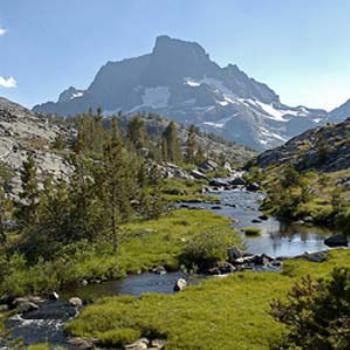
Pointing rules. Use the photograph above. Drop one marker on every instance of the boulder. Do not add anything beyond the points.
(82, 343)
(218, 183)
(225, 267)
(207, 166)
(237, 181)
(75, 301)
(27, 306)
(234, 253)
(253, 187)
(263, 217)
(180, 285)
(216, 207)
(4, 308)
(198, 175)
(338, 240)
(141, 344)
(315, 257)
(159, 270)
(84, 283)
(54, 296)
(158, 343)
(256, 221)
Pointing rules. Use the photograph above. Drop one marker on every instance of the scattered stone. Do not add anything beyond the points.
(263, 217)
(315, 257)
(180, 285)
(75, 301)
(198, 175)
(339, 240)
(27, 306)
(256, 221)
(233, 253)
(237, 181)
(84, 283)
(253, 187)
(159, 270)
(216, 207)
(28, 299)
(141, 344)
(158, 343)
(54, 296)
(4, 308)
(82, 343)
(207, 166)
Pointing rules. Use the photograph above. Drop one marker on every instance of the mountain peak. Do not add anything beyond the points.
(165, 43)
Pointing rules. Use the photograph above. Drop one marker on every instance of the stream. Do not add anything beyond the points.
(276, 240)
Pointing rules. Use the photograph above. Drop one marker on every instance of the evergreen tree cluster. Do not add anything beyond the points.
(111, 181)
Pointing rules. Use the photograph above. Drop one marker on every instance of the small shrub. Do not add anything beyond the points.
(207, 248)
(317, 314)
(252, 231)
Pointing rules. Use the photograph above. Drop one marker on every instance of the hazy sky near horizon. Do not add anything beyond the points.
(299, 48)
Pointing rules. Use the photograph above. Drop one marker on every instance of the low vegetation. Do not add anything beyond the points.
(252, 231)
(143, 244)
(234, 311)
(319, 197)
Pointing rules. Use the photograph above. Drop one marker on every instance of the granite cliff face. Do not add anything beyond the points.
(180, 81)
(22, 132)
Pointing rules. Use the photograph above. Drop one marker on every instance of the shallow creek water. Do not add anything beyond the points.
(277, 239)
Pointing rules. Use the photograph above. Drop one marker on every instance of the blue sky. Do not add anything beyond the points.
(299, 48)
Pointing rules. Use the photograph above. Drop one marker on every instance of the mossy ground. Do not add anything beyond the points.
(229, 313)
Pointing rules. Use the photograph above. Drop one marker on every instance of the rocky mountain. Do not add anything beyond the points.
(325, 148)
(179, 80)
(339, 114)
(23, 132)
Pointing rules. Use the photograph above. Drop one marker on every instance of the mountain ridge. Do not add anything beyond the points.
(180, 81)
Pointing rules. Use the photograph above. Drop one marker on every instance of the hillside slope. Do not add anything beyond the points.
(326, 148)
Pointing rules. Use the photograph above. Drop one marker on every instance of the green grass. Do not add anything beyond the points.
(229, 313)
(143, 245)
(176, 190)
(252, 231)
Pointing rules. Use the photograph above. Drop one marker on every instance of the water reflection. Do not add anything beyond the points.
(277, 238)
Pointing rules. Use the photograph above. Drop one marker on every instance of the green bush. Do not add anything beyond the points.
(317, 314)
(206, 248)
(252, 231)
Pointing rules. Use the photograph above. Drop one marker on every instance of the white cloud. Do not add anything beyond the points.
(3, 31)
(9, 82)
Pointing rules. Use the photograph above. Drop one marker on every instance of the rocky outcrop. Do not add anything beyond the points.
(22, 132)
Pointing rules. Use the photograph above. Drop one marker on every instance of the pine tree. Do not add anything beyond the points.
(172, 150)
(27, 213)
(191, 145)
(115, 183)
(137, 134)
